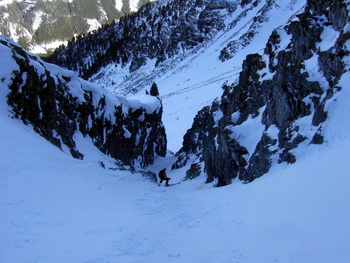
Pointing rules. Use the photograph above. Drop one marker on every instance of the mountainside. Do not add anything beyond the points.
(281, 101)
(63, 108)
(158, 31)
(56, 209)
(43, 25)
(278, 98)
(266, 90)
(178, 45)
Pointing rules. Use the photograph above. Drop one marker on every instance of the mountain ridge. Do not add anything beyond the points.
(283, 85)
(60, 106)
(41, 26)
(274, 131)
(279, 102)
(190, 72)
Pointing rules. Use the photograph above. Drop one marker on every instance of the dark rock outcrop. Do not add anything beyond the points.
(59, 106)
(194, 171)
(233, 46)
(194, 139)
(279, 101)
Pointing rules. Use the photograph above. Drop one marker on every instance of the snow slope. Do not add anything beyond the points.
(55, 209)
(199, 78)
(194, 79)
(58, 209)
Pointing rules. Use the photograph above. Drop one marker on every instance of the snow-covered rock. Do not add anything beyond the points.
(60, 106)
(280, 101)
(177, 44)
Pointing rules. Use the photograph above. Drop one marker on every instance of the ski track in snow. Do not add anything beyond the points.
(214, 80)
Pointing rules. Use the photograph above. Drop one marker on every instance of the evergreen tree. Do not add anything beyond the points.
(154, 90)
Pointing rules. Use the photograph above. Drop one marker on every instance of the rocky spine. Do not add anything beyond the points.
(275, 92)
(59, 105)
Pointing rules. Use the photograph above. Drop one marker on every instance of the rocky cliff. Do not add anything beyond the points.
(280, 101)
(60, 106)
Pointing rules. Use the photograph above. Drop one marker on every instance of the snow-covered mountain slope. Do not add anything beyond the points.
(43, 25)
(184, 57)
(197, 79)
(58, 209)
(55, 208)
(280, 102)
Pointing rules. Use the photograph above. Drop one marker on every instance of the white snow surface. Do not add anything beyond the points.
(6, 2)
(150, 103)
(134, 4)
(55, 209)
(42, 49)
(58, 209)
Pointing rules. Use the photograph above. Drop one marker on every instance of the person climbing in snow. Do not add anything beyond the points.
(162, 176)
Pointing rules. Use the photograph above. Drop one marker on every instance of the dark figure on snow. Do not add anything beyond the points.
(162, 177)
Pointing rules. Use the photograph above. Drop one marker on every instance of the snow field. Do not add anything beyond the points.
(58, 209)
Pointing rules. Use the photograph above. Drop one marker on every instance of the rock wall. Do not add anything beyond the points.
(279, 101)
(59, 105)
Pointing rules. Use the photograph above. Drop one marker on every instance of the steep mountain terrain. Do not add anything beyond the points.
(280, 102)
(62, 108)
(158, 31)
(41, 26)
(279, 71)
(284, 59)
(178, 45)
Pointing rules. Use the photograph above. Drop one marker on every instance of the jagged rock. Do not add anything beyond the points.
(305, 35)
(287, 157)
(318, 138)
(331, 64)
(148, 174)
(260, 161)
(194, 139)
(245, 2)
(58, 105)
(193, 172)
(181, 161)
(275, 92)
